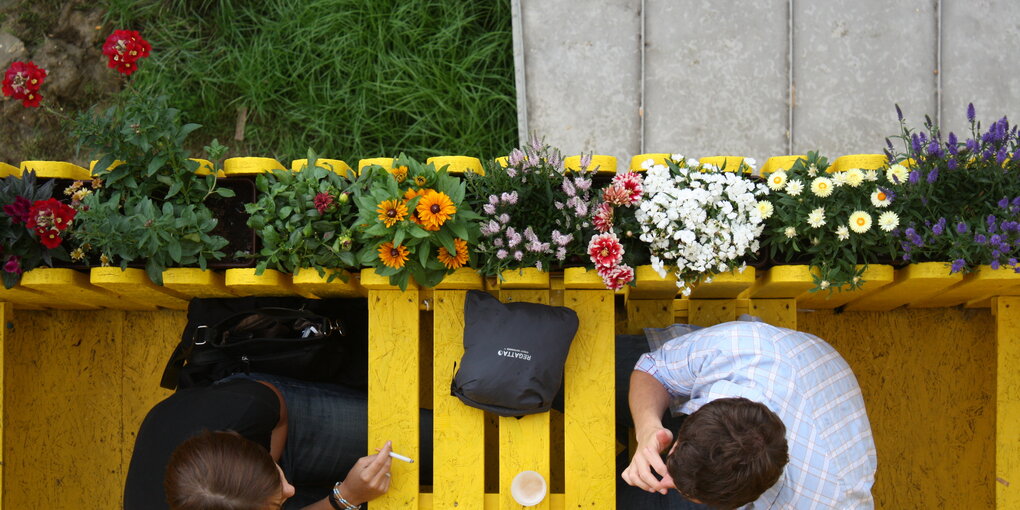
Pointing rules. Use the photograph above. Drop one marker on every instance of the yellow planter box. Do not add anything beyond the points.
(55, 170)
(777, 163)
(337, 166)
(603, 165)
(727, 163)
(860, 161)
(657, 159)
(250, 166)
(457, 165)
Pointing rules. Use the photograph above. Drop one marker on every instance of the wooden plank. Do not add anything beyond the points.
(491, 502)
(649, 285)
(875, 277)
(603, 165)
(777, 312)
(244, 282)
(458, 479)
(783, 282)
(457, 165)
(234, 167)
(6, 318)
(28, 299)
(134, 284)
(1007, 411)
(915, 282)
(393, 383)
(589, 433)
(196, 283)
(979, 285)
(56, 170)
(709, 312)
(726, 285)
(777, 163)
(70, 286)
(307, 281)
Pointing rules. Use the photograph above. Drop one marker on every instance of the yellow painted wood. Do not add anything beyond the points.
(729, 163)
(56, 170)
(727, 285)
(28, 299)
(393, 388)
(915, 282)
(979, 285)
(581, 278)
(115, 164)
(523, 446)
(250, 166)
(6, 317)
(134, 284)
(649, 285)
(193, 282)
(457, 165)
(709, 312)
(337, 166)
(70, 286)
(682, 310)
(244, 282)
(777, 312)
(459, 430)
(649, 313)
(9, 170)
(777, 163)
(307, 281)
(1007, 401)
(427, 501)
(657, 159)
(386, 163)
(875, 277)
(589, 430)
(602, 165)
(464, 278)
(205, 167)
(503, 161)
(527, 278)
(861, 161)
(783, 282)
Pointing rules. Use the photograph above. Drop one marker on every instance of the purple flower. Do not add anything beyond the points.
(515, 158)
(501, 254)
(995, 264)
(504, 218)
(899, 113)
(538, 265)
(980, 239)
(529, 234)
(1000, 157)
(970, 112)
(582, 184)
(13, 264)
(568, 188)
(939, 227)
(510, 198)
(952, 164)
(489, 209)
(990, 220)
(1012, 261)
(953, 144)
(561, 253)
(585, 161)
(934, 148)
(972, 145)
(995, 240)
(933, 175)
(915, 143)
(961, 228)
(493, 199)
(913, 177)
(958, 266)
(1016, 202)
(498, 242)
(494, 227)
(512, 237)
(1004, 203)
(518, 255)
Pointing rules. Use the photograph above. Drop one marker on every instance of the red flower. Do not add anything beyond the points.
(603, 218)
(323, 202)
(22, 81)
(18, 211)
(49, 214)
(605, 250)
(13, 264)
(49, 238)
(617, 276)
(124, 48)
(631, 181)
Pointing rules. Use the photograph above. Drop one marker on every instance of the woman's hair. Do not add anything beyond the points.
(220, 471)
(728, 453)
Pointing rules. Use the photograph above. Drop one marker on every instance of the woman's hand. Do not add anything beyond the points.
(369, 478)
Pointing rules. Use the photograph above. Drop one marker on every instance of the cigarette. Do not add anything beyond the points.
(400, 457)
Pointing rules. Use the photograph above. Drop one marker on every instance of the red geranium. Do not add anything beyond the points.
(616, 277)
(49, 214)
(50, 238)
(124, 48)
(605, 250)
(22, 81)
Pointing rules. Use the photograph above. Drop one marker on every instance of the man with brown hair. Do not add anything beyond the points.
(776, 419)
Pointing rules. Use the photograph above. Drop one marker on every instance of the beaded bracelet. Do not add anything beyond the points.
(338, 500)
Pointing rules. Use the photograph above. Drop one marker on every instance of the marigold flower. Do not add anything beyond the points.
(434, 208)
(393, 256)
(860, 222)
(124, 48)
(457, 259)
(391, 211)
(605, 250)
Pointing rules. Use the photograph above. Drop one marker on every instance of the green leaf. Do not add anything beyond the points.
(284, 212)
(155, 165)
(398, 237)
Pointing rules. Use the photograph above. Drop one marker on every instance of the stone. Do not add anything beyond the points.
(11, 49)
(63, 63)
(82, 27)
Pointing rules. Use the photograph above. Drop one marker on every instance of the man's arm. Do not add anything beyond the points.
(648, 400)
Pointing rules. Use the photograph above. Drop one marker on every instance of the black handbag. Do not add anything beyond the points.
(313, 340)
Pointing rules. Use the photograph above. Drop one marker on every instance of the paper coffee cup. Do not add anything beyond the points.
(528, 488)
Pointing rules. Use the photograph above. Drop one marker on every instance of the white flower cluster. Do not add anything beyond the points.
(698, 223)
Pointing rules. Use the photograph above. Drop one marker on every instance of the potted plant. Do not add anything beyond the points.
(616, 249)
(33, 226)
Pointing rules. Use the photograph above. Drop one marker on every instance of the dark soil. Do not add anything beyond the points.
(233, 222)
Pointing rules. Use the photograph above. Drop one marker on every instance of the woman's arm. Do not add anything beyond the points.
(278, 439)
(367, 480)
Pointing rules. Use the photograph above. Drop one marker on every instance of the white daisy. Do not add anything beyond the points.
(871, 175)
(838, 179)
(812, 171)
(777, 180)
(897, 174)
(860, 222)
(765, 208)
(817, 217)
(854, 177)
(790, 232)
(842, 233)
(822, 186)
(888, 221)
(880, 199)
(794, 187)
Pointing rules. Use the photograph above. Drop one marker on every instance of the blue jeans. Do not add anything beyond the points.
(327, 432)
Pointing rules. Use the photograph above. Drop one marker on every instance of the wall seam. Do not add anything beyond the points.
(938, 63)
(791, 94)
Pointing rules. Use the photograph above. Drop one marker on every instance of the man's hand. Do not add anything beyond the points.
(640, 471)
(369, 478)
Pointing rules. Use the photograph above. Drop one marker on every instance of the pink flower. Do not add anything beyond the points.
(603, 217)
(616, 194)
(323, 202)
(617, 276)
(18, 211)
(631, 181)
(605, 250)
(13, 264)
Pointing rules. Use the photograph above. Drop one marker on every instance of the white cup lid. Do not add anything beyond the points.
(528, 488)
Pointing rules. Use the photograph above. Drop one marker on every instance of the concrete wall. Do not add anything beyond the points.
(762, 78)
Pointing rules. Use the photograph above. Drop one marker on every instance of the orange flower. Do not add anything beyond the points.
(435, 208)
(399, 173)
(411, 193)
(394, 257)
(391, 211)
(421, 180)
(457, 260)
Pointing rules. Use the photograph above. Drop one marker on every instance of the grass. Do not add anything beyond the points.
(350, 78)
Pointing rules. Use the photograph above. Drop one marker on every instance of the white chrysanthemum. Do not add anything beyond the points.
(817, 217)
(860, 222)
(765, 209)
(888, 221)
(822, 186)
(880, 199)
(838, 179)
(871, 175)
(897, 174)
(824, 284)
(777, 180)
(854, 177)
(790, 232)
(812, 171)
(842, 233)
(794, 187)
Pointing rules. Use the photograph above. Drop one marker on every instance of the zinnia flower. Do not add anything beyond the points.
(880, 199)
(777, 180)
(22, 81)
(323, 202)
(821, 186)
(888, 221)
(860, 222)
(605, 250)
(456, 260)
(124, 48)
(391, 256)
(817, 217)
(391, 211)
(434, 208)
(616, 195)
(616, 277)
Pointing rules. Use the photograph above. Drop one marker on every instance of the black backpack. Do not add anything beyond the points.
(318, 340)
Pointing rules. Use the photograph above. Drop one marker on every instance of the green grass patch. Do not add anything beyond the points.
(350, 78)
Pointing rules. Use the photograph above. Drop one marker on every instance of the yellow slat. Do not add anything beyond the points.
(73, 287)
(777, 312)
(979, 285)
(1007, 410)
(337, 166)
(386, 163)
(915, 282)
(459, 435)
(649, 313)
(135, 285)
(457, 165)
(426, 502)
(393, 386)
(657, 159)
(649, 285)
(589, 435)
(783, 282)
(56, 170)
(27, 299)
(527, 278)
(6, 316)
(727, 285)
(776, 163)
(603, 165)
(244, 282)
(861, 161)
(9, 170)
(709, 312)
(875, 278)
(233, 167)
(732, 163)
(195, 283)
(308, 281)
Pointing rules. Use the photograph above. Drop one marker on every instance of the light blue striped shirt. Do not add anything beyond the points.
(800, 378)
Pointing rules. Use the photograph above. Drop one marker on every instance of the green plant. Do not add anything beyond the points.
(305, 219)
(32, 226)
